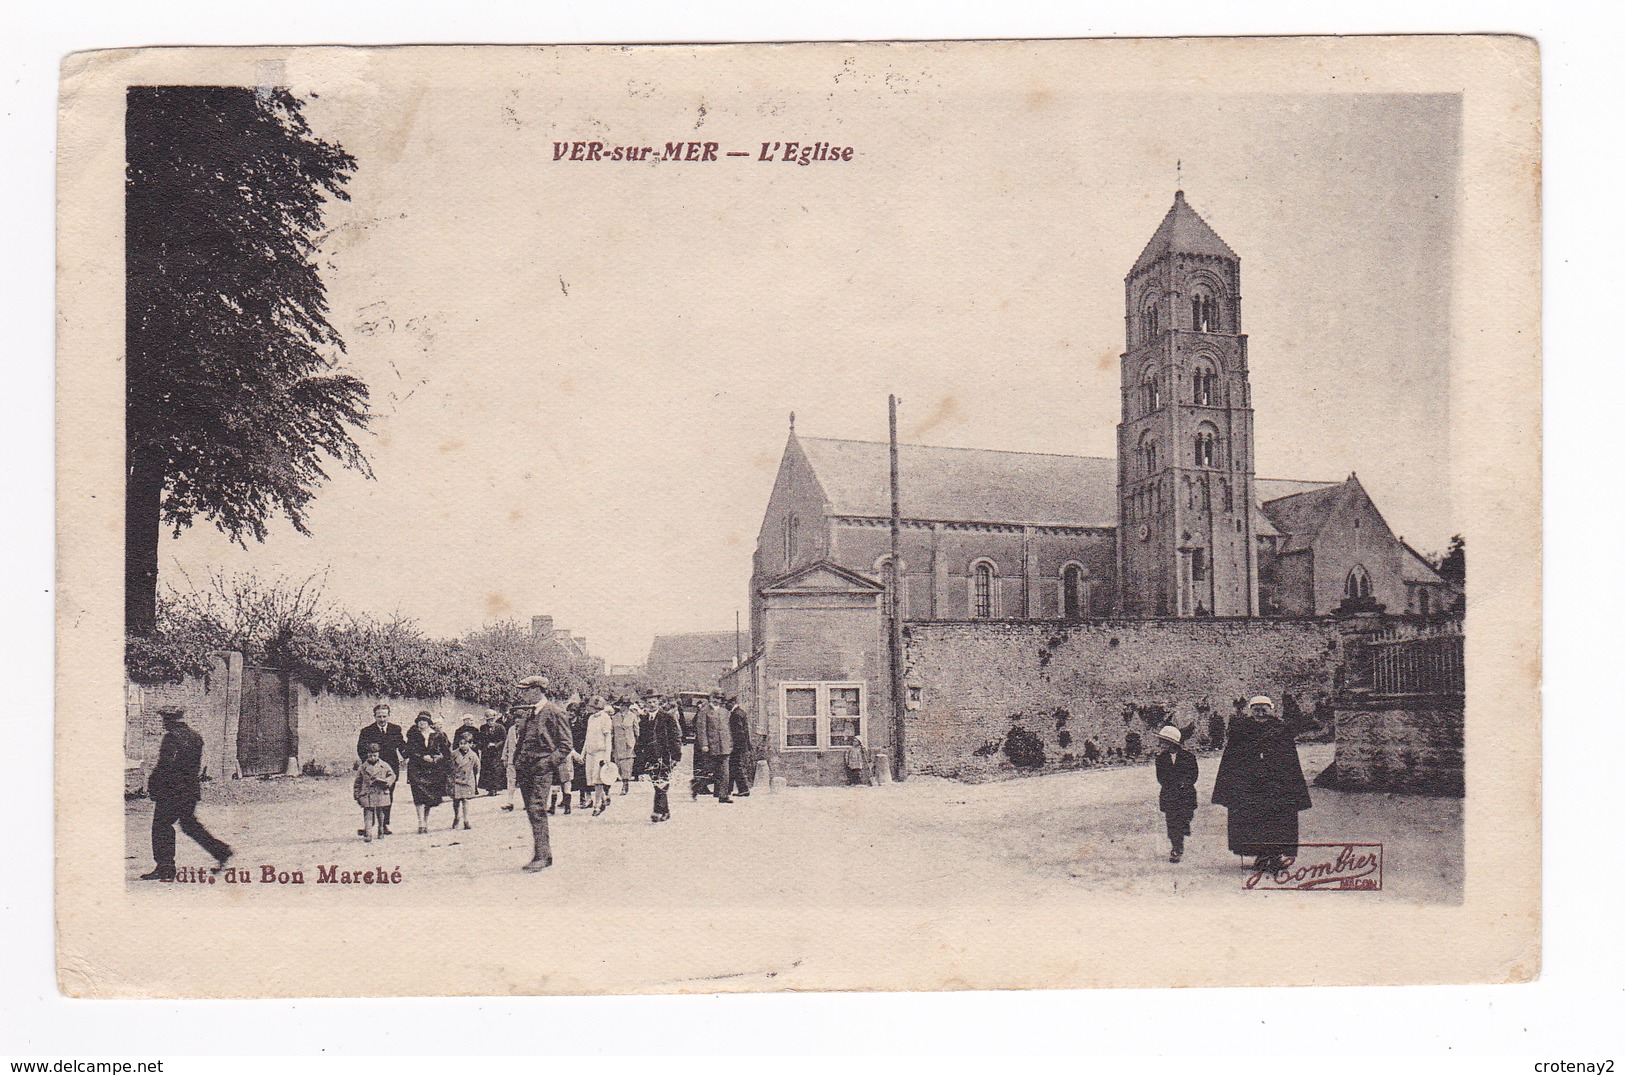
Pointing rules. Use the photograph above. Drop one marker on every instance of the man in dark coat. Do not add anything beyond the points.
(391, 743)
(713, 737)
(665, 750)
(1261, 785)
(175, 786)
(743, 766)
(544, 741)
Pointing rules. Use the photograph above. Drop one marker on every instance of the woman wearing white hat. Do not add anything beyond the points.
(1261, 785)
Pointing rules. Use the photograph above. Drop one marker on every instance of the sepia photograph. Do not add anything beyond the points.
(811, 493)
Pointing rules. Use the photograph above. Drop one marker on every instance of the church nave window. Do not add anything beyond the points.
(982, 591)
(1358, 583)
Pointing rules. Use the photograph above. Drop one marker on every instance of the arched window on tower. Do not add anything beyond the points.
(1148, 453)
(1149, 323)
(1205, 385)
(982, 606)
(1358, 583)
(1204, 312)
(1150, 390)
(1206, 447)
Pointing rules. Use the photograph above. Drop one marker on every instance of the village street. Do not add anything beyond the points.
(921, 844)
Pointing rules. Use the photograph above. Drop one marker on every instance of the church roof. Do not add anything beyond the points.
(985, 486)
(1182, 231)
(1300, 516)
(965, 484)
(1413, 567)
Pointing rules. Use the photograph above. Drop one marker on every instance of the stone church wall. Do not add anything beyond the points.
(1105, 684)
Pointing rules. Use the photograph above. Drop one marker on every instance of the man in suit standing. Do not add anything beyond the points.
(714, 739)
(545, 740)
(391, 743)
(175, 786)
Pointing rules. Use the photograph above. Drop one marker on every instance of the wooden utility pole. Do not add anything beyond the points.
(894, 610)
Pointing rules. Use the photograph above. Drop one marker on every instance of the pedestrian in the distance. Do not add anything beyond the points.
(490, 741)
(665, 751)
(713, 737)
(597, 750)
(465, 775)
(374, 791)
(175, 787)
(1176, 776)
(428, 766)
(857, 761)
(742, 766)
(624, 742)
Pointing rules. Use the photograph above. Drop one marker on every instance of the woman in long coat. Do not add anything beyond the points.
(428, 767)
(597, 750)
(1261, 785)
(644, 750)
(490, 740)
(578, 734)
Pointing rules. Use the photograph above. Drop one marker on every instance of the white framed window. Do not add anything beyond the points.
(823, 715)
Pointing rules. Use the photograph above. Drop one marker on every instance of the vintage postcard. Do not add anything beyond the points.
(798, 517)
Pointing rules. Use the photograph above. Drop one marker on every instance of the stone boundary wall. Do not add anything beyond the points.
(1105, 684)
(1403, 744)
(322, 726)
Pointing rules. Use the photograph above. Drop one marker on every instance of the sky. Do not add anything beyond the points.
(583, 372)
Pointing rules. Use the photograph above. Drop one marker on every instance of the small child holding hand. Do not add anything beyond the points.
(374, 791)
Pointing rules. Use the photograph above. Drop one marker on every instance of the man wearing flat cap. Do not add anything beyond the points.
(175, 786)
(1261, 786)
(543, 743)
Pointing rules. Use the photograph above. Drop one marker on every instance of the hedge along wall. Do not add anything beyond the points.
(322, 727)
(1076, 683)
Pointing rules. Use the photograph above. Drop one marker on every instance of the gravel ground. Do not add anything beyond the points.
(921, 844)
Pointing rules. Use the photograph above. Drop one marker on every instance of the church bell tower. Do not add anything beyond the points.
(1185, 444)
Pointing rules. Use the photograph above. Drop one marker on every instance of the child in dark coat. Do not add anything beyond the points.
(1176, 773)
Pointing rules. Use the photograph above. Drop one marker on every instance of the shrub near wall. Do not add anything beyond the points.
(1105, 684)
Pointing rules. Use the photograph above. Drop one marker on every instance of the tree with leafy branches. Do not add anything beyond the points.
(233, 399)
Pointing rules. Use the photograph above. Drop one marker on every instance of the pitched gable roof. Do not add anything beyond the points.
(1413, 567)
(965, 484)
(1300, 516)
(702, 647)
(1182, 231)
(823, 575)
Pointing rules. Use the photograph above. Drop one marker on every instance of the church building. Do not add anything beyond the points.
(1179, 524)
(1178, 527)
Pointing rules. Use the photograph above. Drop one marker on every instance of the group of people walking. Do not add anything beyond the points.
(1260, 785)
(558, 754)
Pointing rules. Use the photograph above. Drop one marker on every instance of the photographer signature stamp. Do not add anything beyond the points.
(1331, 867)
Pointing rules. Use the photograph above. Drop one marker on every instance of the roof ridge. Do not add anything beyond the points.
(961, 448)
